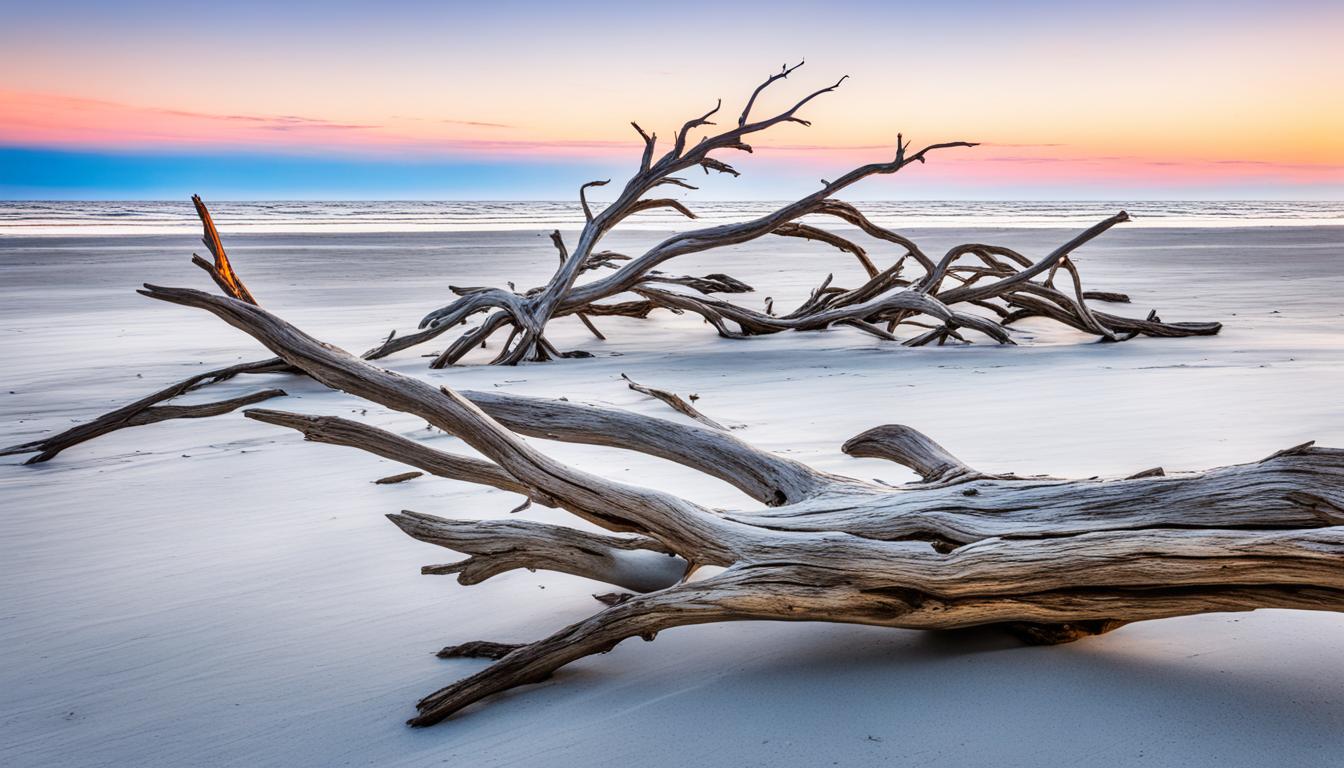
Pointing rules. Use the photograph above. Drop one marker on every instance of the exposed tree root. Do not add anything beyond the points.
(1053, 560)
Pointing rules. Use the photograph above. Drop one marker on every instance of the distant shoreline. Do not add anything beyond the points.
(120, 218)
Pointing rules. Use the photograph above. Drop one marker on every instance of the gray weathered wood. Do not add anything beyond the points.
(675, 401)
(986, 277)
(1053, 560)
(147, 411)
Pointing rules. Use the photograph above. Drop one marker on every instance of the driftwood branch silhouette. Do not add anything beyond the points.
(939, 297)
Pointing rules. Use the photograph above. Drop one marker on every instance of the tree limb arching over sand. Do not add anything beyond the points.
(1053, 559)
(991, 278)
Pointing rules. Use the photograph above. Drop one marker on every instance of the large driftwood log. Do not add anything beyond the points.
(1053, 559)
(988, 277)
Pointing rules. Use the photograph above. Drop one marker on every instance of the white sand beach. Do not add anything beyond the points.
(218, 592)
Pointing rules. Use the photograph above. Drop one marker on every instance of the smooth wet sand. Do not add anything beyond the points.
(220, 593)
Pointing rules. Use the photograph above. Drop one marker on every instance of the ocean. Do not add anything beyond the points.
(27, 218)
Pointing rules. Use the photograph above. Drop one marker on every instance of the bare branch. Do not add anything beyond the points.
(675, 401)
(807, 232)
(147, 411)
(691, 124)
(784, 72)
(497, 546)
(338, 431)
(647, 205)
(222, 271)
(583, 200)
(908, 447)
(649, 141)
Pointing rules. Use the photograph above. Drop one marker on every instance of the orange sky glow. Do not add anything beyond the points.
(1157, 97)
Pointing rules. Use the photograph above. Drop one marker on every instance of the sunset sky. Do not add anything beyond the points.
(526, 100)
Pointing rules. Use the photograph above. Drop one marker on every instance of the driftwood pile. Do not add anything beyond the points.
(993, 279)
(1051, 559)
(974, 286)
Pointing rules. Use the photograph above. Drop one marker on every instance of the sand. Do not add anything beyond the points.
(219, 593)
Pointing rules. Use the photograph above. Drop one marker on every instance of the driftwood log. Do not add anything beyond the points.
(933, 296)
(1054, 560)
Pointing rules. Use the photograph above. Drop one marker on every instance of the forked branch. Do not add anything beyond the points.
(975, 274)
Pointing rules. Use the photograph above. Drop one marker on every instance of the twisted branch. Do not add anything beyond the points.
(1054, 560)
(527, 313)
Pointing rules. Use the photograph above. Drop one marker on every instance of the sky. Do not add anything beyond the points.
(400, 99)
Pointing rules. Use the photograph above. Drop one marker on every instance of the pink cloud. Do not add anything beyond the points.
(44, 119)
(57, 120)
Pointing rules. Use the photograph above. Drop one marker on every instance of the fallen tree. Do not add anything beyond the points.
(1054, 560)
(935, 298)
(935, 301)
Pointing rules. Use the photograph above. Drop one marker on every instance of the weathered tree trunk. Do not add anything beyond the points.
(1053, 559)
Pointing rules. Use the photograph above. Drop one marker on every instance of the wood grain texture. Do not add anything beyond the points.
(221, 270)
(1051, 559)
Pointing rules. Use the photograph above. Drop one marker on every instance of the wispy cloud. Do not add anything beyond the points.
(272, 122)
(454, 121)
(89, 105)
(476, 123)
(1152, 162)
(29, 119)
(47, 119)
(1022, 145)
